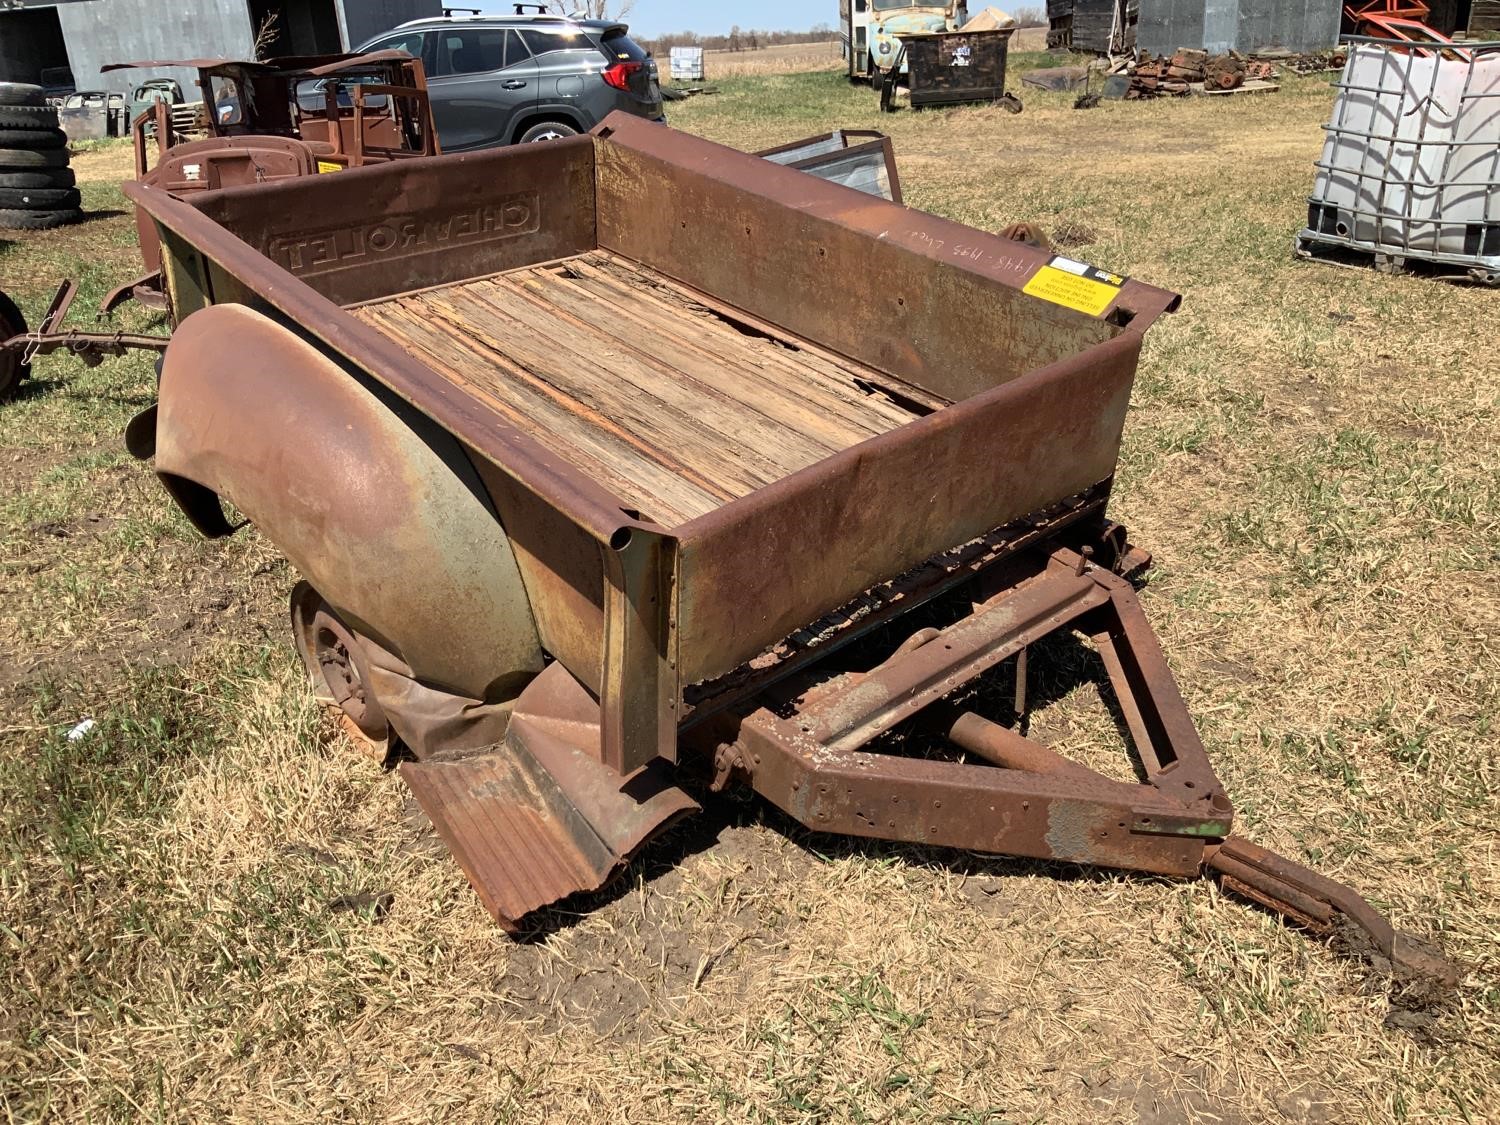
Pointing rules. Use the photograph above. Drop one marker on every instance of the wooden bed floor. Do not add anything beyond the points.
(674, 406)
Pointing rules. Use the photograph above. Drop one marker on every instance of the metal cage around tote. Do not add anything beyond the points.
(1410, 169)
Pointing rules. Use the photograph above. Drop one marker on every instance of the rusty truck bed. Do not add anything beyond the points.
(677, 403)
(629, 458)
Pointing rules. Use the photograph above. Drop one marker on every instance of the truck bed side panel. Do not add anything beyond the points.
(367, 233)
(933, 303)
(756, 570)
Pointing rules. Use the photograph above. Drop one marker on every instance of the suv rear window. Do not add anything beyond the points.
(618, 45)
(545, 42)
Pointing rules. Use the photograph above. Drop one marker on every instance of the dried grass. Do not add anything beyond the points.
(1311, 456)
(790, 58)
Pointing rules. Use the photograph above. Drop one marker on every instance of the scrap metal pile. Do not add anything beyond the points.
(1189, 71)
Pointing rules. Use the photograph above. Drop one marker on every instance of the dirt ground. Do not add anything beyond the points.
(210, 909)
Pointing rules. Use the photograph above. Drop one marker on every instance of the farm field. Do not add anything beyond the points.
(211, 908)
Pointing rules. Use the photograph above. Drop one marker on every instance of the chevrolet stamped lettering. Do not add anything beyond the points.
(397, 236)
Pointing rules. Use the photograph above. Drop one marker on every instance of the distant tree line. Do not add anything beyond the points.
(738, 39)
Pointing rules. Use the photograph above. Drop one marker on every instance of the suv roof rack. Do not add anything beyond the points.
(456, 15)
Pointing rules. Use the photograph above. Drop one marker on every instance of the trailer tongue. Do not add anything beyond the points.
(659, 470)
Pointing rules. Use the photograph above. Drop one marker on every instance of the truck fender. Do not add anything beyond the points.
(376, 506)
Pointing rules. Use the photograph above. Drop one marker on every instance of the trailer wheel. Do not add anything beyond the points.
(12, 369)
(335, 662)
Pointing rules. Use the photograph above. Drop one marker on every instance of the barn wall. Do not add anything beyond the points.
(109, 31)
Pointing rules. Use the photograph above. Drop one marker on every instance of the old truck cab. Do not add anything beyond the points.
(872, 29)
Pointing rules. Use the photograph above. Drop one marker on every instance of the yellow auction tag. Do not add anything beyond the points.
(328, 166)
(1075, 285)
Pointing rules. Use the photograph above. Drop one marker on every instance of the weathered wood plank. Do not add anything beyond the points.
(673, 403)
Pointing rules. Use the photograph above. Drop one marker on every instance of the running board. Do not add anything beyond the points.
(540, 817)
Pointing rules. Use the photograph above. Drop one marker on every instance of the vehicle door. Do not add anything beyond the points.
(483, 83)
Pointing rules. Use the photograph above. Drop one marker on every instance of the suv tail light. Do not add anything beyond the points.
(618, 74)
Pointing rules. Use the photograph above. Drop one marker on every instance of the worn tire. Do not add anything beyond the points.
(28, 117)
(39, 199)
(547, 131)
(21, 93)
(37, 139)
(41, 178)
(12, 370)
(38, 220)
(12, 159)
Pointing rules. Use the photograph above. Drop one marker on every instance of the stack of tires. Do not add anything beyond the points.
(36, 184)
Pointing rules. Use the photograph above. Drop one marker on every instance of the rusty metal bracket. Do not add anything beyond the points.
(808, 746)
(639, 702)
(1317, 902)
(90, 347)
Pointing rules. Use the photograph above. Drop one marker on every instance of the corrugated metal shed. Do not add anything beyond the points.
(97, 32)
(126, 30)
(1238, 25)
(365, 19)
(1162, 26)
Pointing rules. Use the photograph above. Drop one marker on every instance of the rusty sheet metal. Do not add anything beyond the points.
(882, 604)
(365, 487)
(761, 567)
(209, 255)
(367, 233)
(539, 817)
(869, 480)
(920, 298)
(312, 65)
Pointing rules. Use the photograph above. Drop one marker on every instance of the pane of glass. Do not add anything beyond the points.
(226, 95)
(621, 46)
(470, 51)
(543, 42)
(411, 43)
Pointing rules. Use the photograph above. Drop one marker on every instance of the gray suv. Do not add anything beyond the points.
(499, 80)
